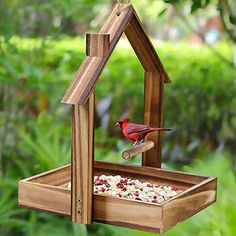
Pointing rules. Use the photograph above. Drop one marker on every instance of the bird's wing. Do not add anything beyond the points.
(136, 128)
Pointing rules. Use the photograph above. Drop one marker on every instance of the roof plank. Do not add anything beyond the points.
(97, 45)
(90, 69)
(92, 66)
(143, 48)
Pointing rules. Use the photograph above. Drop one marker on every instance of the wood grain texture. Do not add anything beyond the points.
(91, 68)
(123, 212)
(105, 167)
(143, 48)
(97, 45)
(82, 161)
(143, 147)
(153, 116)
(189, 203)
(59, 176)
(132, 214)
(149, 172)
(44, 197)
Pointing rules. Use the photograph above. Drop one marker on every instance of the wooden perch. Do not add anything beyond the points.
(143, 147)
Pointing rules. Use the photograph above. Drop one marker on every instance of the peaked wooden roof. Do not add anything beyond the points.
(93, 64)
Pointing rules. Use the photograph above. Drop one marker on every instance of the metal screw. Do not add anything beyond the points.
(79, 200)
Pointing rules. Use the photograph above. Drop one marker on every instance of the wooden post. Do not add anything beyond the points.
(153, 116)
(82, 161)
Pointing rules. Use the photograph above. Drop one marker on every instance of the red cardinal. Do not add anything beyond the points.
(136, 132)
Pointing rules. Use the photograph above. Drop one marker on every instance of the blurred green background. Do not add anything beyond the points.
(42, 45)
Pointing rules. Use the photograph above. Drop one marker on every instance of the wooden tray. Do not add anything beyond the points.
(46, 192)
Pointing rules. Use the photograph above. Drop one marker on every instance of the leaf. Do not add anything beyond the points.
(195, 5)
(232, 19)
(170, 1)
(80, 230)
(162, 12)
(23, 168)
(13, 223)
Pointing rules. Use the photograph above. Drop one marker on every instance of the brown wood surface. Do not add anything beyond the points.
(131, 214)
(189, 203)
(97, 45)
(150, 172)
(123, 212)
(105, 167)
(143, 48)
(143, 147)
(91, 68)
(59, 176)
(82, 161)
(44, 197)
(153, 116)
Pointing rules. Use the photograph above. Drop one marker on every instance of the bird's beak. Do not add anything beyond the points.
(117, 124)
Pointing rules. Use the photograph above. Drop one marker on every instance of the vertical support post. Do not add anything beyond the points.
(153, 116)
(82, 161)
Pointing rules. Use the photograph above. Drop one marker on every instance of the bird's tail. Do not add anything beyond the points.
(160, 129)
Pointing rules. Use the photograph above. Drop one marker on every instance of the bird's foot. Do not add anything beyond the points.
(135, 144)
(138, 143)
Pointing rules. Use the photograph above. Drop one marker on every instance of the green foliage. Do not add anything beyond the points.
(195, 4)
(10, 215)
(49, 146)
(35, 128)
(44, 18)
(199, 104)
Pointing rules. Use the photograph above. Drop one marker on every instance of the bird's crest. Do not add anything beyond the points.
(124, 120)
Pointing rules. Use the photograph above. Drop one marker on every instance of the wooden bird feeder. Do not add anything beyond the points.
(47, 191)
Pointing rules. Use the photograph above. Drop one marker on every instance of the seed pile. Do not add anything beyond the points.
(122, 187)
(118, 186)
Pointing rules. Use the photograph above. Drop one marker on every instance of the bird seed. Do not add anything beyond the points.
(121, 187)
